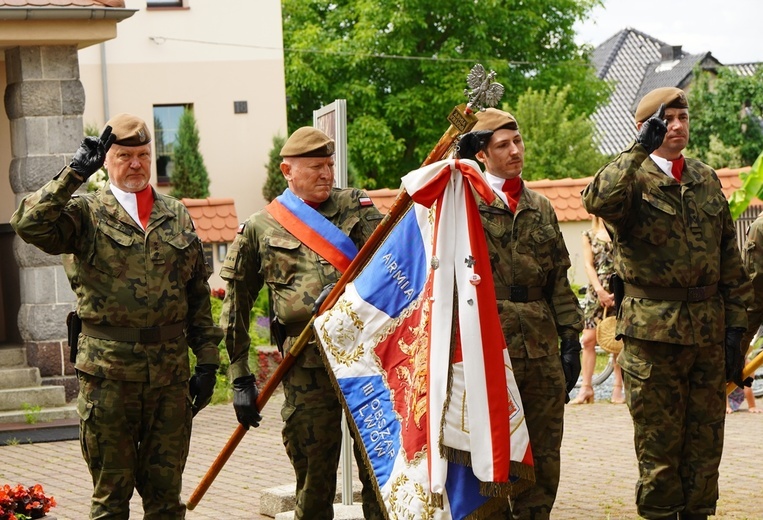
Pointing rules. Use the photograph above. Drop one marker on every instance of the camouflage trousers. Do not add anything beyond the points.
(134, 437)
(676, 396)
(542, 388)
(312, 437)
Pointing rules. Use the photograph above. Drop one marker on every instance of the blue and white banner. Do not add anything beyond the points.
(425, 377)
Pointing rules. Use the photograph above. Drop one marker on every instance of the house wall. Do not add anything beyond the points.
(573, 238)
(209, 55)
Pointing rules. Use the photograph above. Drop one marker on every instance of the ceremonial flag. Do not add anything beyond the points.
(416, 350)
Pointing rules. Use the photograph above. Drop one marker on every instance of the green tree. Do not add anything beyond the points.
(752, 187)
(558, 142)
(275, 182)
(189, 176)
(402, 66)
(726, 113)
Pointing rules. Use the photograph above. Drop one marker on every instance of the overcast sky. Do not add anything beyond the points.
(730, 29)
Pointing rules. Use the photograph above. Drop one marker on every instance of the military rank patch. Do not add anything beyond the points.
(365, 201)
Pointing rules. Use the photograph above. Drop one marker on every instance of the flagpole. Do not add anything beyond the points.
(462, 119)
(749, 371)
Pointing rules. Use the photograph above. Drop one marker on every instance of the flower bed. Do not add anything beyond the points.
(21, 503)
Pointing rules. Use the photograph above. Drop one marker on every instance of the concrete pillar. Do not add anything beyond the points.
(44, 100)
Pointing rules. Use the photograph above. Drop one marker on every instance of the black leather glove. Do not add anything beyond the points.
(653, 131)
(473, 142)
(245, 401)
(90, 155)
(570, 351)
(202, 386)
(322, 297)
(735, 357)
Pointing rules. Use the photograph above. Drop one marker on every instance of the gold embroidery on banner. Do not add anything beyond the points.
(413, 376)
(401, 500)
(464, 426)
(345, 333)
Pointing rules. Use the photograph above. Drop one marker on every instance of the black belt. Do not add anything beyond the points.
(518, 293)
(295, 329)
(683, 294)
(133, 335)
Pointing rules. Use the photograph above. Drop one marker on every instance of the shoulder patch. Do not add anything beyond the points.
(365, 201)
(241, 228)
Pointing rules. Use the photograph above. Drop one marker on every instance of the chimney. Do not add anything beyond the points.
(670, 52)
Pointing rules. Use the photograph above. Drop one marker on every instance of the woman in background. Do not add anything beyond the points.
(597, 254)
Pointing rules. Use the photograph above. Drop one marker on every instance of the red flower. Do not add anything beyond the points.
(30, 502)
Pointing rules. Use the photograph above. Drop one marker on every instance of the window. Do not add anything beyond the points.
(166, 123)
(164, 3)
(208, 255)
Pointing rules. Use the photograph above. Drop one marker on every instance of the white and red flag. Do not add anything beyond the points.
(416, 349)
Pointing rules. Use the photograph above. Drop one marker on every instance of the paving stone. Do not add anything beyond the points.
(598, 479)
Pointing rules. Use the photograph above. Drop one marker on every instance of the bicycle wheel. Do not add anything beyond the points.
(605, 364)
(608, 366)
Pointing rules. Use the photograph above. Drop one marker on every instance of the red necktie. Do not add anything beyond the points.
(677, 168)
(513, 190)
(145, 200)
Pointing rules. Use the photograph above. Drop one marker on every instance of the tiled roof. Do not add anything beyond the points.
(670, 73)
(383, 198)
(744, 69)
(62, 3)
(636, 63)
(564, 194)
(215, 219)
(730, 180)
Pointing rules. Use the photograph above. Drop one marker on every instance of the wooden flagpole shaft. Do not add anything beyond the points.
(749, 370)
(396, 211)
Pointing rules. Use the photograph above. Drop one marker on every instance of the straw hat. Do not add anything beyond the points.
(605, 334)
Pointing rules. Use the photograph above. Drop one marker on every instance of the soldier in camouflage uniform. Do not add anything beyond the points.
(683, 311)
(752, 256)
(142, 297)
(264, 252)
(753, 262)
(536, 304)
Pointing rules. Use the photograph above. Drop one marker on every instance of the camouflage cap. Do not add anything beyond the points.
(494, 119)
(308, 142)
(129, 130)
(649, 104)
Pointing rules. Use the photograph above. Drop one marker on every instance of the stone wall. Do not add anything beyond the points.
(44, 100)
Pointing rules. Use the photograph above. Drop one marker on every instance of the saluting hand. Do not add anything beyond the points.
(91, 154)
(472, 143)
(653, 130)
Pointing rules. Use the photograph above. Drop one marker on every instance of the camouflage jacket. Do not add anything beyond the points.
(671, 235)
(265, 253)
(123, 277)
(753, 262)
(528, 249)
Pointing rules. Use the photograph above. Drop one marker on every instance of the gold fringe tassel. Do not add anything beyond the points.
(489, 509)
